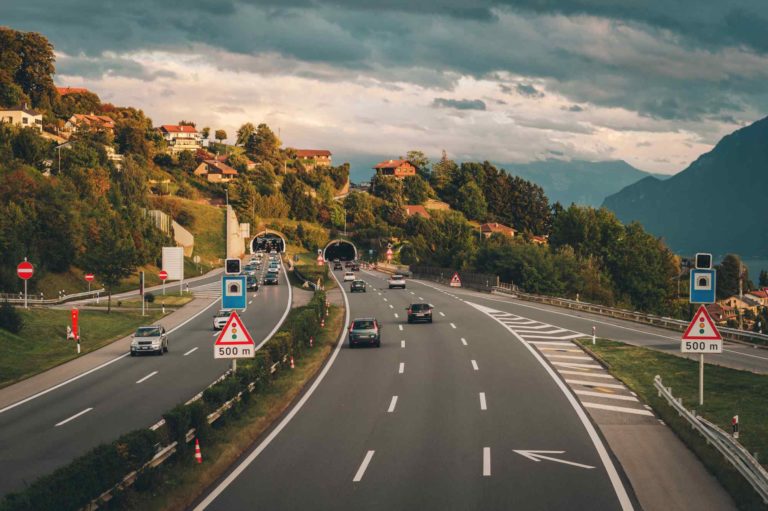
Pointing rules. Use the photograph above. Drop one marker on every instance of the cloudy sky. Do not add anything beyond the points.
(653, 82)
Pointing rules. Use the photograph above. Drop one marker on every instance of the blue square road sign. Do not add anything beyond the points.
(234, 294)
(702, 288)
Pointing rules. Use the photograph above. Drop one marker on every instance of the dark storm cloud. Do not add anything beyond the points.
(528, 90)
(108, 66)
(459, 104)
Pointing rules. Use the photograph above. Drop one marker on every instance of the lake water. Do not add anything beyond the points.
(754, 266)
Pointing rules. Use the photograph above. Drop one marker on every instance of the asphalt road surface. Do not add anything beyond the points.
(47, 432)
(442, 416)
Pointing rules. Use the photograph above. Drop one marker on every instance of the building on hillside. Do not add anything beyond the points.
(181, 138)
(63, 91)
(540, 240)
(744, 303)
(760, 296)
(494, 227)
(417, 209)
(216, 171)
(312, 158)
(22, 116)
(90, 121)
(398, 168)
(721, 314)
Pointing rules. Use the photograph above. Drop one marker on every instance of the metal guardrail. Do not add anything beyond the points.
(730, 334)
(36, 300)
(733, 451)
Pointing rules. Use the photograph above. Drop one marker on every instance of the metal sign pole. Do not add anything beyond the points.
(701, 379)
(234, 366)
(25, 295)
(163, 287)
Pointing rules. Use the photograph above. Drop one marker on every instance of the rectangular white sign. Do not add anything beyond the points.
(701, 347)
(234, 351)
(173, 262)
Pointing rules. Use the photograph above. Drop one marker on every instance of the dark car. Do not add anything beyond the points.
(337, 266)
(347, 264)
(419, 312)
(252, 283)
(364, 331)
(355, 266)
(271, 279)
(357, 285)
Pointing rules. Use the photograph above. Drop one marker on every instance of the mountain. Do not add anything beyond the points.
(718, 204)
(583, 182)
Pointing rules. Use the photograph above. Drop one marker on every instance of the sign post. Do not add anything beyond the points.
(25, 270)
(141, 290)
(701, 337)
(89, 279)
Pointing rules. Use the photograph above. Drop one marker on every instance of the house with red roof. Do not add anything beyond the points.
(89, 121)
(312, 158)
(398, 168)
(63, 91)
(181, 138)
(215, 171)
(416, 209)
(494, 227)
(720, 314)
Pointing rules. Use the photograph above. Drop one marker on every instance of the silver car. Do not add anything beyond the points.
(149, 339)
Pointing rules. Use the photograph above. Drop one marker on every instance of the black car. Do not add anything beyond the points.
(252, 283)
(419, 312)
(337, 266)
(271, 279)
(355, 266)
(357, 285)
(364, 330)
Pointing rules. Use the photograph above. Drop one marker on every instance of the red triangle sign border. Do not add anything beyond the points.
(691, 325)
(248, 341)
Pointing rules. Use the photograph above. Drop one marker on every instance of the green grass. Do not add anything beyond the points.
(171, 299)
(207, 224)
(727, 392)
(41, 344)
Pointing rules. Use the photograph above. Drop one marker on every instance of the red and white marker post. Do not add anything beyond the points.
(76, 327)
(389, 255)
(25, 270)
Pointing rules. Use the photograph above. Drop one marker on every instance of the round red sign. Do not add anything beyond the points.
(25, 270)
(89, 277)
(163, 274)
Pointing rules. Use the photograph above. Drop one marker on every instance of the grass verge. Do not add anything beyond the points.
(170, 299)
(727, 392)
(181, 481)
(41, 344)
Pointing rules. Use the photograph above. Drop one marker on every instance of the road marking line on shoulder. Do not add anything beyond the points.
(464, 341)
(567, 357)
(150, 375)
(607, 396)
(585, 373)
(401, 369)
(483, 404)
(574, 364)
(392, 404)
(595, 384)
(363, 466)
(75, 416)
(442, 313)
(401, 327)
(621, 409)
(402, 344)
(474, 365)
(453, 326)
(551, 343)
(486, 462)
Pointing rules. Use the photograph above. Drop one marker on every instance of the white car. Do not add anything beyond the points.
(149, 339)
(397, 281)
(220, 319)
(349, 276)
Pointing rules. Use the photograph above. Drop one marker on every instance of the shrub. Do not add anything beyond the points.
(178, 421)
(10, 319)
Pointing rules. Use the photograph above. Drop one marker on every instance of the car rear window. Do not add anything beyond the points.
(148, 332)
(420, 306)
(362, 325)
(397, 277)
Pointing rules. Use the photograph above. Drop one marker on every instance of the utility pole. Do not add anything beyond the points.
(741, 295)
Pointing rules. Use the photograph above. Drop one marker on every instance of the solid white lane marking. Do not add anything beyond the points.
(392, 404)
(75, 416)
(607, 396)
(574, 364)
(401, 369)
(401, 327)
(150, 375)
(586, 374)
(453, 326)
(442, 313)
(483, 404)
(557, 349)
(402, 344)
(551, 343)
(486, 462)
(621, 409)
(463, 341)
(567, 357)
(191, 351)
(474, 366)
(364, 465)
(745, 354)
(595, 384)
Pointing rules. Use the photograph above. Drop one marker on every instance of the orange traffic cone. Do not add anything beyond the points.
(198, 454)
(292, 364)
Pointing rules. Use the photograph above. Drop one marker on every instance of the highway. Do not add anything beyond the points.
(44, 433)
(442, 416)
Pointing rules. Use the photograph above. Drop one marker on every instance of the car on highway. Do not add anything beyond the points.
(419, 312)
(220, 319)
(364, 331)
(355, 266)
(337, 266)
(252, 283)
(347, 264)
(271, 279)
(358, 286)
(396, 280)
(148, 339)
(349, 276)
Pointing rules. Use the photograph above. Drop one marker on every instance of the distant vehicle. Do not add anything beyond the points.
(337, 266)
(347, 264)
(355, 267)
(149, 339)
(271, 279)
(419, 312)
(220, 319)
(357, 285)
(364, 330)
(349, 276)
(252, 283)
(396, 280)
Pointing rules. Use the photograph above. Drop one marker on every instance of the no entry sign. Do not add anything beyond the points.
(89, 277)
(163, 274)
(25, 270)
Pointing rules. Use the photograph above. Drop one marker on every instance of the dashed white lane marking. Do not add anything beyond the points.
(392, 404)
(486, 462)
(215, 334)
(442, 313)
(150, 375)
(402, 344)
(401, 327)
(396, 315)
(379, 294)
(413, 293)
(594, 384)
(585, 374)
(363, 466)
(483, 404)
(621, 409)
(250, 302)
(401, 370)
(603, 394)
(474, 366)
(453, 326)
(391, 306)
(420, 298)
(463, 341)
(75, 416)
(386, 300)
(191, 351)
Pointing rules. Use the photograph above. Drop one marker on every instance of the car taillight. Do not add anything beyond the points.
(410, 311)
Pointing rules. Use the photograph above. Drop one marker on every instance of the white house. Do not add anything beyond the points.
(181, 138)
(22, 116)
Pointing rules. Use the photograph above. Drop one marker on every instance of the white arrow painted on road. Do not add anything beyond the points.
(539, 455)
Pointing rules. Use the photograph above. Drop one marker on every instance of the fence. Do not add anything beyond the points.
(732, 450)
(479, 281)
(41, 300)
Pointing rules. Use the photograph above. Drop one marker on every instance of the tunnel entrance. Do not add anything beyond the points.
(342, 250)
(267, 241)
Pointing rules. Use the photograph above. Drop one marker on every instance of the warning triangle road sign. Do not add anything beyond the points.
(455, 280)
(234, 333)
(702, 328)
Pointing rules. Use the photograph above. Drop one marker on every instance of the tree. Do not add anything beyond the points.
(388, 188)
(220, 135)
(187, 161)
(130, 138)
(206, 132)
(186, 123)
(30, 147)
(442, 175)
(420, 161)
(10, 319)
(728, 272)
(263, 146)
(470, 201)
(763, 281)
(417, 189)
(35, 73)
(244, 133)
